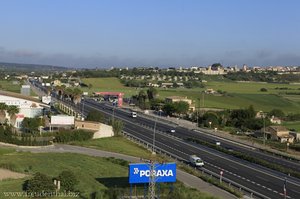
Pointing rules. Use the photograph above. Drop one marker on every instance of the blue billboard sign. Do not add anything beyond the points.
(140, 172)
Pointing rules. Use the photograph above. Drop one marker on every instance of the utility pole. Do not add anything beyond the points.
(152, 181)
(82, 113)
(263, 116)
(198, 112)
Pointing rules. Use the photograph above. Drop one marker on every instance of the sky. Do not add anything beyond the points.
(163, 33)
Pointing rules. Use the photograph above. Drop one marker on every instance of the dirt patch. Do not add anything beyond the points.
(7, 174)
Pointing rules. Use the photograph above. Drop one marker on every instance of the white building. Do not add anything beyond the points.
(28, 106)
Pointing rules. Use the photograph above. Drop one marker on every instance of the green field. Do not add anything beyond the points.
(116, 144)
(9, 86)
(239, 94)
(6, 85)
(107, 84)
(94, 174)
(292, 125)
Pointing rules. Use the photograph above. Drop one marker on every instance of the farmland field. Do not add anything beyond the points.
(10, 86)
(107, 84)
(292, 125)
(238, 94)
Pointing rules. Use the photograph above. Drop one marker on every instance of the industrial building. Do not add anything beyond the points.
(28, 106)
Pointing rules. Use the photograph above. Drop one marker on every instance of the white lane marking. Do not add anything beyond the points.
(180, 140)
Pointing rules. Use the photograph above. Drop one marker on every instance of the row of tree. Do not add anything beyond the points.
(72, 94)
(11, 110)
(244, 119)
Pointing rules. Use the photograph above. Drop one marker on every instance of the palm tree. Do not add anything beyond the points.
(3, 108)
(77, 93)
(12, 111)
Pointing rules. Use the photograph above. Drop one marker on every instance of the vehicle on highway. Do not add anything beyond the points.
(133, 114)
(196, 161)
(172, 131)
(218, 143)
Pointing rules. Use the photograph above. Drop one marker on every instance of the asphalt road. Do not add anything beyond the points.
(267, 182)
(260, 179)
(182, 176)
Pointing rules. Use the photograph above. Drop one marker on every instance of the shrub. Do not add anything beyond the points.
(263, 90)
(68, 180)
(75, 135)
(41, 185)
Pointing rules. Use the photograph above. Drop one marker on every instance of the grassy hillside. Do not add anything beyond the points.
(94, 174)
(116, 144)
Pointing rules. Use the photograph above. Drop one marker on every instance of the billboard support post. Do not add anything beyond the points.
(130, 192)
(145, 190)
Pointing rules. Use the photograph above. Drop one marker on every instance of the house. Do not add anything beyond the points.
(56, 82)
(173, 99)
(166, 85)
(210, 91)
(296, 135)
(101, 130)
(275, 120)
(279, 133)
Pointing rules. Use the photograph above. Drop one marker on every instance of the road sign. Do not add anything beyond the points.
(140, 172)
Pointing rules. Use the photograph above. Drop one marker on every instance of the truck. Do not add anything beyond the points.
(196, 161)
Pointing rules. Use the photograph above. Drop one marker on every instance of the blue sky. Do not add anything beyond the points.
(104, 33)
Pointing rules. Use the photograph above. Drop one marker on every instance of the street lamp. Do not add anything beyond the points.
(154, 131)
(264, 129)
(198, 112)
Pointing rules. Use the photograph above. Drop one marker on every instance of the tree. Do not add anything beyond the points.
(90, 86)
(210, 119)
(181, 107)
(169, 109)
(76, 95)
(32, 124)
(152, 93)
(117, 126)
(68, 180)
(95, 116)
(277, 113)
(263, 90)
(3, 108)
(40, 184)
(12, 111)
(142, 96)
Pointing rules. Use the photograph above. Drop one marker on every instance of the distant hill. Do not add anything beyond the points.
(30, 67)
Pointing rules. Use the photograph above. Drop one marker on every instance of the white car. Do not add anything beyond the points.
(172, 131)
(133, 114)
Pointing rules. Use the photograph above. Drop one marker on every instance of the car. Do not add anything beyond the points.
(196, 161)
(133, 114)
(172, 131)
(218, 143)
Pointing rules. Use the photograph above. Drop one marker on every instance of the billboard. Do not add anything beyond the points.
(140, 172)
(62, 120)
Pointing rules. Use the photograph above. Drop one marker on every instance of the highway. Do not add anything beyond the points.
(267, 182)
(262, 180)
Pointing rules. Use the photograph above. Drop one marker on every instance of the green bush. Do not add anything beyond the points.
(65, 136)
(7, 136)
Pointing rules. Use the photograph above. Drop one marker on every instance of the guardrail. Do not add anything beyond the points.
(249, 192)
